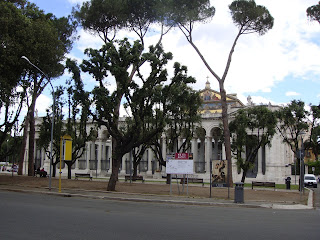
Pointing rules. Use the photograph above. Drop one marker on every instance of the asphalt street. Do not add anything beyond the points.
(40, 216)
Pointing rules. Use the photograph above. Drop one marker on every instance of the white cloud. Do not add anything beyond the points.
(43, 102)
(259, 63)
(88, 40)
(256, 100)
(289, 94)
(76, 1)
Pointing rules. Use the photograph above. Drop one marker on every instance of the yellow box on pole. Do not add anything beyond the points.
(65, 152)
(67, 148)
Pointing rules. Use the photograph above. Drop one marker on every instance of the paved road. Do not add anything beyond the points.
(34, 216)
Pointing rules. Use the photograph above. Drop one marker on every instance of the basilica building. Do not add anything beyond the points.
(272, 163)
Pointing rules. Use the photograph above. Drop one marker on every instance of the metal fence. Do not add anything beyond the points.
(105, 164)
(62, 165)
(142, 166)
(93, 164)
(82, 164)
(199, 166)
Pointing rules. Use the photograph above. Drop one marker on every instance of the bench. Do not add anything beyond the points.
(264, 184)
(40, 173)
(136, 178)
(191, 180)
(175, 176)
(83, 175)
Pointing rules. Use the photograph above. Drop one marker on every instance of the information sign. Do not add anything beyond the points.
(178, 166)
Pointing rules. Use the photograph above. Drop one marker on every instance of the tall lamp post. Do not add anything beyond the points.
(52, 121)
(301, 156)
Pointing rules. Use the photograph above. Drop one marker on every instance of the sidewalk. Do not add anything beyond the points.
(160, 193)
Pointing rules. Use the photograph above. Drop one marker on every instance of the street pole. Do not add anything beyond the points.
(51, 143)
(301, 155)
(301, 182)
(295, 171)
(302, 164)
(61, 155)
(52, 120)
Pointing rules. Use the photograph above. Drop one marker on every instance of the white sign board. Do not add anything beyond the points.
(178, 166)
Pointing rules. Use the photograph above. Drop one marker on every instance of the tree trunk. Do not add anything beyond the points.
(244, 173)
(69, 164)
(116, 160)
(54, 169)
(226, 131)
(114, 175)
(135, 168)
(31, 140)
(23, 145)
(168, 179)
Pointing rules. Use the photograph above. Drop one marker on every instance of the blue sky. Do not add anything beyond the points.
(277, 67)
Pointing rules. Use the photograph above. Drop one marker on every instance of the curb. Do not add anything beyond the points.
(169, 201)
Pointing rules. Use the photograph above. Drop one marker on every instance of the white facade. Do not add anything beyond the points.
(272, 162)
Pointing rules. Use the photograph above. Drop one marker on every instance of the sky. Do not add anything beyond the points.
(275, 68)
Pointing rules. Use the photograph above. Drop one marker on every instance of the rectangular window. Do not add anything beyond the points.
(252, 173)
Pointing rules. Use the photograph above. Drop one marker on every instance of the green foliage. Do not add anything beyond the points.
(292, 123)
(44, 139)
(316, 166)
(14, 32)
(183, 112)
(246, 15)
(313, 142)
(44, 39)
(251, 129)
(313, 12)
(77, 121)
(140, 95)
(9, 150)
(106, 17)
(250, 17)
(181, 117)
(79, 111)
(183, 12)
(149, 101)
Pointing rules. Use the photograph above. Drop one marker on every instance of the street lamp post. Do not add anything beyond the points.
(301, 156)
(52, 121)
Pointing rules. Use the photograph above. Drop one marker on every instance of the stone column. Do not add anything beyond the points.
(150, 157)
(124, 158)
(267, 157)
(208, 153)
(215, 149)
(179, 142)
(259, 161)
(93, 152)
(88, 155)
(99, 156)
(76, 163)
(110, 156)
(194, 149)
(201, 155)
(46, 159)
(164, 151)
(223, 152)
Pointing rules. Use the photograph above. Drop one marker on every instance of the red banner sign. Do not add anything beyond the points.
(182, 156)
